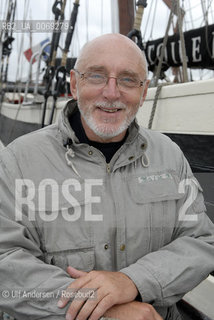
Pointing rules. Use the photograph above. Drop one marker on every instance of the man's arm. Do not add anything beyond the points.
(131, 310)
(164, 276)
(21, 265)
(172, 271)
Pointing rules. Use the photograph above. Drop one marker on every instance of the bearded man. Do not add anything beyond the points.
(97, 214)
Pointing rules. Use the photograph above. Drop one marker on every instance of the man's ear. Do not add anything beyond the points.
(73, 84)
(146, 85)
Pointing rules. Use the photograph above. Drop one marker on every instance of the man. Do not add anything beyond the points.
(103, 209)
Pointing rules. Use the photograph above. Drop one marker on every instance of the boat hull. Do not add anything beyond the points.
(16, 120)
(185, 113)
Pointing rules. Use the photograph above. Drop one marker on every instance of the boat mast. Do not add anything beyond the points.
(126, 15)
(136, 31)
(61, 71)
(174, 6)
(6, 39)
(58, 10)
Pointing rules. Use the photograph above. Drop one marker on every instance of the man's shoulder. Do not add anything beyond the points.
(157, 139)
(161, 148)
(163, 154)
(30, 143)
(31, 139)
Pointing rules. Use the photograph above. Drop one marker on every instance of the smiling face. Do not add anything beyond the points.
(108, 107)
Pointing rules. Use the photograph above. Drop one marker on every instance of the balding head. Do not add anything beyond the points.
(108, 45)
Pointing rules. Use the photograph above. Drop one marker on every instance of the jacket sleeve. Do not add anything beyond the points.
(164, 276)
(22, 268)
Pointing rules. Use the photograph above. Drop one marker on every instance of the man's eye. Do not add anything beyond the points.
(127, 80)
(96, 76)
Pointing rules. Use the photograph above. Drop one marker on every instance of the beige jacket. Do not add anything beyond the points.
(129, 215)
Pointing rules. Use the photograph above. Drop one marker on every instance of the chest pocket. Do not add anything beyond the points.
(155, 188)
(155, 197)
(66, 235)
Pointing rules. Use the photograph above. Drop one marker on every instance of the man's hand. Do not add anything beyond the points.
(133, 310)
(111, 288)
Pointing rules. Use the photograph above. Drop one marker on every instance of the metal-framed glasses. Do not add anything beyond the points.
(100, 79)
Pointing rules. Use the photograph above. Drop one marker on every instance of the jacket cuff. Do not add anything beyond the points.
(148, 286)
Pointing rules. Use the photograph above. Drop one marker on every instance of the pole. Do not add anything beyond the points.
(126, 15)
(135, 32)
(29, 73)
(158, 72)
(61, 71)
(50, 71)
(41, 52)
(183, 47)
(6, 48)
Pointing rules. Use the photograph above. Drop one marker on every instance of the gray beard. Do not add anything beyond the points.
(100, 130)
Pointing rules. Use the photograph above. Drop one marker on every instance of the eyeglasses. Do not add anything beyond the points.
(100, 79)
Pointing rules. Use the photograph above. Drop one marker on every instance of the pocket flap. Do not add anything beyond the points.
(81, 259)
(155, 187)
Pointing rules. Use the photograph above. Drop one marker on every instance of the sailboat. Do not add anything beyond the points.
(182, 110)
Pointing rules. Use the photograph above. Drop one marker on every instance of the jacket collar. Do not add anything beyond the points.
(134, 147)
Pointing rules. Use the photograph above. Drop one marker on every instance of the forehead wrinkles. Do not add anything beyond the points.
(105, 64)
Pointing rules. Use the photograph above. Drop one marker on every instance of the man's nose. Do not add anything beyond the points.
(111, 90)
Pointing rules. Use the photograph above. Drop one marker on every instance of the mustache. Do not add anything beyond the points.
(110, 105)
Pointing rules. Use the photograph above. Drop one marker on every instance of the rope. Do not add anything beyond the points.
(183, 48)
(206, 30)
(153, 21)
(20, 54)
(152, 115)
(147, 21)
(157, 74)
(191, 17)
(204, 11)
(211, 11)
